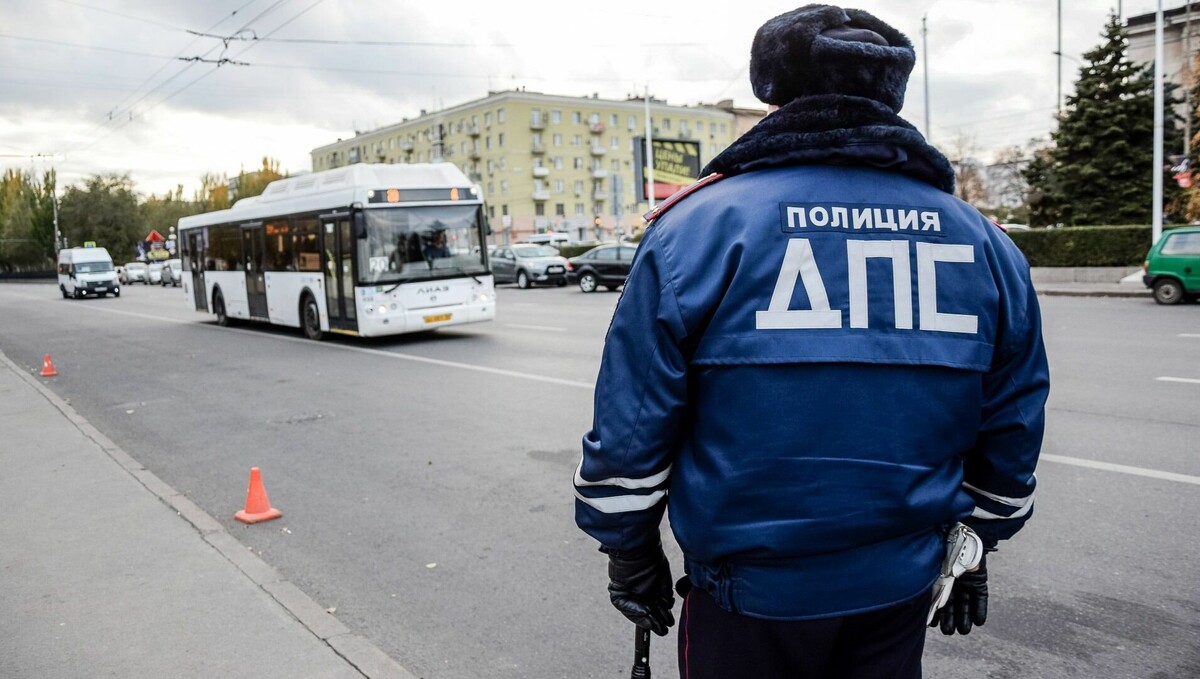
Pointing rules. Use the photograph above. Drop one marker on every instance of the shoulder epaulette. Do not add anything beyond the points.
(681, 194)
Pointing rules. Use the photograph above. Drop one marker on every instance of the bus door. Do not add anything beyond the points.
(337, 252)
(256, 282)
(195, 248)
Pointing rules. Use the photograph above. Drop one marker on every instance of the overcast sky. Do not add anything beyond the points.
(101, 86)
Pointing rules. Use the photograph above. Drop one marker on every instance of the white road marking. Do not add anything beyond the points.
(579, 384)
(545, 328)
(1189, 335)
(1184, 380)
(1124, 469)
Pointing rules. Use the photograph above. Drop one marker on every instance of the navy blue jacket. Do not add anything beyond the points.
(818, 369)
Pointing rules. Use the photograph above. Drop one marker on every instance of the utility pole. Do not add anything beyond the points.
(1157, 192)
(925, 63)
(1058, 99)
(649, 153)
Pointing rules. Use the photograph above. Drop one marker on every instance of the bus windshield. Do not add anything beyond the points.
(93, 267)
(412, 243)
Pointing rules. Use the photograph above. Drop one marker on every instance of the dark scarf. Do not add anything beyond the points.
(834, 129)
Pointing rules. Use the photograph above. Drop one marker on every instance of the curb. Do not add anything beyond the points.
(1091, 293)
(357, 651)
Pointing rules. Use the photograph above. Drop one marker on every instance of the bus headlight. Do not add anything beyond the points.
(483, 297)
(382, 310)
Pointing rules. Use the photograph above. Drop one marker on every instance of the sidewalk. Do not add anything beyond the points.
(105, 571)
(1089, 282)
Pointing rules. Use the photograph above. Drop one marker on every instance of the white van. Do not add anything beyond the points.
(84, 271)
(554, 238)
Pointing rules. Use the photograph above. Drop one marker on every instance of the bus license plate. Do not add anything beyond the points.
(101, 288)
(437, 319)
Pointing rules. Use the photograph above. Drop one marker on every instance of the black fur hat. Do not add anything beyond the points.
(822, 49)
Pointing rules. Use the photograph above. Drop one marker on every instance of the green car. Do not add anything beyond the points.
(1172, 268)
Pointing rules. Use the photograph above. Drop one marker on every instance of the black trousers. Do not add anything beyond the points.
(883, 644)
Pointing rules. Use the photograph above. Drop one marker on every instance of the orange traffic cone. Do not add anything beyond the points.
(258, 506)
(48, 367)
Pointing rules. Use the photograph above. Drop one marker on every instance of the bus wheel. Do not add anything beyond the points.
(219, 309)
(310, 319)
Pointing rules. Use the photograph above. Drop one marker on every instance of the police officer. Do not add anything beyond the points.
(828, 361)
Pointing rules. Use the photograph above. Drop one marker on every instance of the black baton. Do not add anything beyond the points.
(641, 654)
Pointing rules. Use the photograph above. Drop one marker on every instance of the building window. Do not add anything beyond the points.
(615, 142)
(577, 117)
(579, 209)
(487, 119)
(559, 186)
(723, 128)
(535, 116)
(556, 139)
(614, 120)
(500, 139)
(503, 186)
(632, 123)
(616, 165)
(594, 119)
(491, 212)
(491, 166)
(558, 162)
(491, 188)
(683, 126)
(579, 163)
(579, 190)
(666, 123)
(487, 142)
(560, 209)
(504, 210)
(539, 209)
(537, 138)
(502, 163)
(577, 141)
(500, 115)
(556, 117)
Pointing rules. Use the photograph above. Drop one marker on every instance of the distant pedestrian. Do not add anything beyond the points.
(828, 362)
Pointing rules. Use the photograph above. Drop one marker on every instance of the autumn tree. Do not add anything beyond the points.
(253, 183)
(163, 212)
(104, 210)
(213, 194)
(26, 221)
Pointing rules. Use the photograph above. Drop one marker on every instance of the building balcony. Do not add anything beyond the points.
(537, 124)
(541, 172)
(596, 128)
(600, 195)
(599, 173)
(541, 194)
(473, 130)
(474, 154)
(406, 145)
(598, 150)
(537, 148)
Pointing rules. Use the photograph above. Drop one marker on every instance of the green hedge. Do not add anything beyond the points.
(574, 250)
(1085, 245)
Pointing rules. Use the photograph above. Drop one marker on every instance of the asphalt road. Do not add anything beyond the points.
(425, 480)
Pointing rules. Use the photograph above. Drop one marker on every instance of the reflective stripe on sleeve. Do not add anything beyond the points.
(622, 503)
(622, 482)
(1017, 502)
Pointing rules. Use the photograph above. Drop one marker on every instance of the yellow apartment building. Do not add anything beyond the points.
(546, 162)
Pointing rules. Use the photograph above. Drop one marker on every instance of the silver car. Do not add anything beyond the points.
(527, 264)
(172, 273)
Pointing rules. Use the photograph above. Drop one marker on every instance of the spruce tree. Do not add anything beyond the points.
(1099, 169)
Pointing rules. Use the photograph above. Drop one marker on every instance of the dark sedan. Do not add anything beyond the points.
(606, 265)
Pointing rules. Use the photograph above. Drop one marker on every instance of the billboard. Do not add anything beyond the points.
(676, 165)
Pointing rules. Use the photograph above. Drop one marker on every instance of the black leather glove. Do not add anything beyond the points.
(640, 587)
(968, 603)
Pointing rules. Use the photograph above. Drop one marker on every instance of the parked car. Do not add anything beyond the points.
(154, 272)
(527, 264)
(1172, 267)
(172, 273)
(606, 265)
(553, 239)
(136, 272)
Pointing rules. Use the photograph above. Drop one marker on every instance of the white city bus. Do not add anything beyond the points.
(363, 250)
